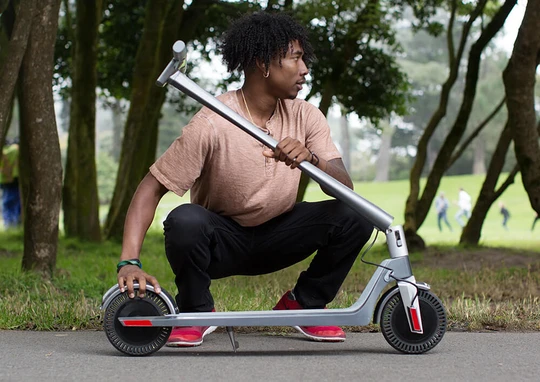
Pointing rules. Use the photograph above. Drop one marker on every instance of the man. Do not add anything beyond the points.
(441, 205)
(465, 206)
(9, 183)
(243, 219)
(505, 213)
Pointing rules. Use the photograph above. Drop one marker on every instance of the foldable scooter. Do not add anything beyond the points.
(411, 318)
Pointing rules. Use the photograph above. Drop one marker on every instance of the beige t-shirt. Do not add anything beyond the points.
(225, 169)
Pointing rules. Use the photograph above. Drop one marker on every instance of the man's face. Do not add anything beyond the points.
(287, 79)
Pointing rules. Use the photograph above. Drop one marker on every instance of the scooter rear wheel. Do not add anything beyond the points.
(138, 341)
(395, 326)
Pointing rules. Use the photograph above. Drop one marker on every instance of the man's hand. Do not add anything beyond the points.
(130, 274)
(293, 152)
(289, 150)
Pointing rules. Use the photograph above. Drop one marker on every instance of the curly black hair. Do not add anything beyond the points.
(262, 36)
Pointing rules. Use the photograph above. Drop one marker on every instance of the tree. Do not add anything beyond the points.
(80, 192)
(41, 168)
(489, 193)
(16, 22)
(383, 157)
(519, 81)
(417, 206)
(139, 136)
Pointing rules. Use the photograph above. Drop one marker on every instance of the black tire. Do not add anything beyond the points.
(395, 326)
(138, 341)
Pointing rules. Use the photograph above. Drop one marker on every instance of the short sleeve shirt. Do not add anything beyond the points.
(225, 169)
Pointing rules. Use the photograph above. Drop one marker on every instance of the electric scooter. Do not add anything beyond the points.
(412, 319)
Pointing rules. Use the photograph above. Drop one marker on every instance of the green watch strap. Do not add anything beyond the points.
(136, 262)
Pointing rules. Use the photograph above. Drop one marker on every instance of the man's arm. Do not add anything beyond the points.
(138, 219)
(336, 169)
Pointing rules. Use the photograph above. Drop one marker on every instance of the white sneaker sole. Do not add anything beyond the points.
(177, 344)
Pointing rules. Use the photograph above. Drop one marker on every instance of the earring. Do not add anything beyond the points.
(267, 74)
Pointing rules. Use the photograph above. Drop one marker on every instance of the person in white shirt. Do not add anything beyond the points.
(465, 206)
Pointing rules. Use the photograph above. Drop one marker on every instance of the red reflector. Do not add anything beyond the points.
(414, 317)
(137, 323)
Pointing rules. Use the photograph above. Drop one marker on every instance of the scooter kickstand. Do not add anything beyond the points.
(234, 342)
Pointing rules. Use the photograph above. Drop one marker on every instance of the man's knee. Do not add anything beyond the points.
(186, 223)
(358, 224)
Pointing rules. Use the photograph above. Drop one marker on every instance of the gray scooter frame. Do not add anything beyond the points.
(361, 313)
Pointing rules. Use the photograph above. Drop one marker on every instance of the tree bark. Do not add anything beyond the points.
(9, 68)
(519, 81)
(80, 192)
(488, 194)
(41, 168)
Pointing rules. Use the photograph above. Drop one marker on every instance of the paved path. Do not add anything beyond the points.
(88, 356)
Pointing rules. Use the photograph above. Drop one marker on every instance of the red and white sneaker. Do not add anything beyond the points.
(315, 333)
(188, 336)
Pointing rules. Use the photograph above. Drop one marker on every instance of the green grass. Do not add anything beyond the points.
(391, 197)
(486, 298)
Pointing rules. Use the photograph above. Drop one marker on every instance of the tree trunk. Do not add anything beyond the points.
(9, 68)
(117, 125)
(345, 141)
(383, 159)
(519, 81)
(479, 157)
(140, 135)
(488, 194)
(80, 192)
(41, 167)
(326, 97)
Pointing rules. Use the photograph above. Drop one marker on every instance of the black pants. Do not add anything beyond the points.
(202, 245)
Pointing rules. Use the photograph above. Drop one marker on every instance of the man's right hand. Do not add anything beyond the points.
(129, 274)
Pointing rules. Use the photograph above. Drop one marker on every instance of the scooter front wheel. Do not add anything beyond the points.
(395, 326)
(138, 341)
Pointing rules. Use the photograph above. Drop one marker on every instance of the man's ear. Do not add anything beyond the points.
(264, 69)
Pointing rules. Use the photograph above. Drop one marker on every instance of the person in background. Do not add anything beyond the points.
(441, 205)
(9, 183)
(505, 213)
(465, 206)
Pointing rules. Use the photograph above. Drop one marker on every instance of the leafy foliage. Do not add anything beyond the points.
(120, 33)
(356, 47)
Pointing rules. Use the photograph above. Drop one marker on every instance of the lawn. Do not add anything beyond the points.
(495, 286)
